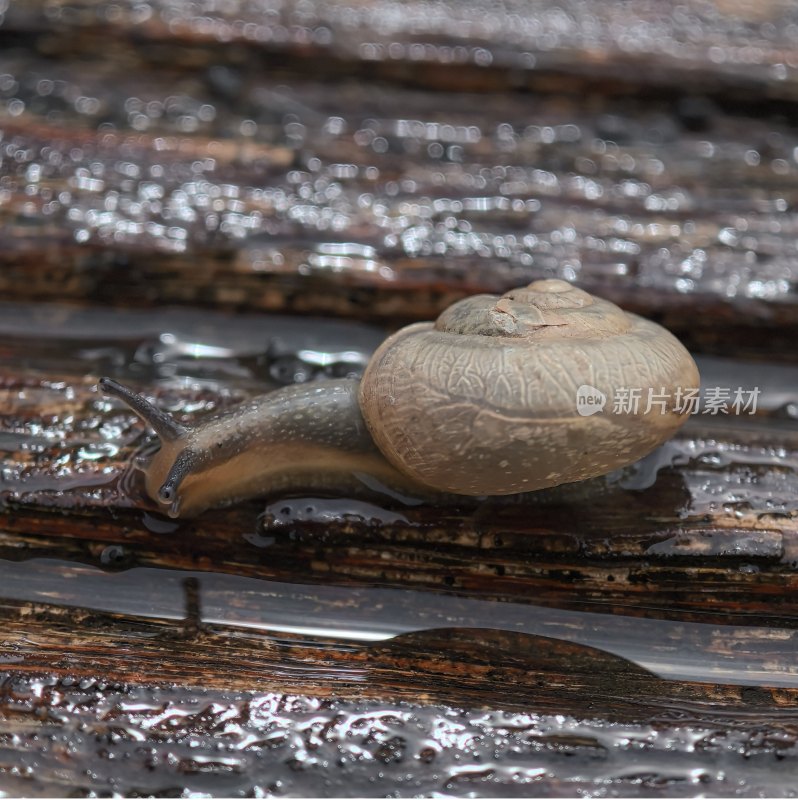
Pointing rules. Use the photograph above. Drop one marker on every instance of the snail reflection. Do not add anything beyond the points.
(480, 402)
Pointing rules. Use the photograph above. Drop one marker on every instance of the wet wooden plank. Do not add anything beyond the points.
(216, 184)
(714, 507)
(726, 44)
(635, 634)
(224, 743)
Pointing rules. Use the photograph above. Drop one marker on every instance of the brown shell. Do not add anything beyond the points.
(484, 401)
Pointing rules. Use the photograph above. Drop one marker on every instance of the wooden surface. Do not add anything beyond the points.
(162, 168)
(313, 180)
(657, 603)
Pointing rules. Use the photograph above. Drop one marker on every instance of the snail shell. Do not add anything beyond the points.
(484, 400)
(481, 402)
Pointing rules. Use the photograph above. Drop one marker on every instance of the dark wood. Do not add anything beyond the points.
(632, 635)
(661, 598)
(344, 191)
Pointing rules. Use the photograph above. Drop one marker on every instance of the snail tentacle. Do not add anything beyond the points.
(182, 467)
(167, 428)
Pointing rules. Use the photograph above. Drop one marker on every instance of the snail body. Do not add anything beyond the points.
(304, 435)
(481, 402)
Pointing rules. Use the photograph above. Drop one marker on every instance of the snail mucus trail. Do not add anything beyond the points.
(480, 402)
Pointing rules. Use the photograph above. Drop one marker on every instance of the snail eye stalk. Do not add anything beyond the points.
(167, 429)
(184, 464)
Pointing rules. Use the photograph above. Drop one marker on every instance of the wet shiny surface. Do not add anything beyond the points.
(629, 635)
(209, 179)
(670, 649)
(232, 744)
(321, 601)
(714, 41)
(316, 189)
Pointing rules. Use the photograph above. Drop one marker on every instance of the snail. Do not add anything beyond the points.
(481, 402)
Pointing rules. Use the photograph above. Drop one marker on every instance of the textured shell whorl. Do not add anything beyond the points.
(484, 401)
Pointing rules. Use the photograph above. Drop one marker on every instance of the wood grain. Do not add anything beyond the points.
(161, 168)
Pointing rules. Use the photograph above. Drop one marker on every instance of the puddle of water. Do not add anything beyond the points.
(208, 348)
(674, 650)
(724, 472)
(288, 512)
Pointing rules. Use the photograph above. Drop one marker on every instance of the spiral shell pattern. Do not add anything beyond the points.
(484, 400)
